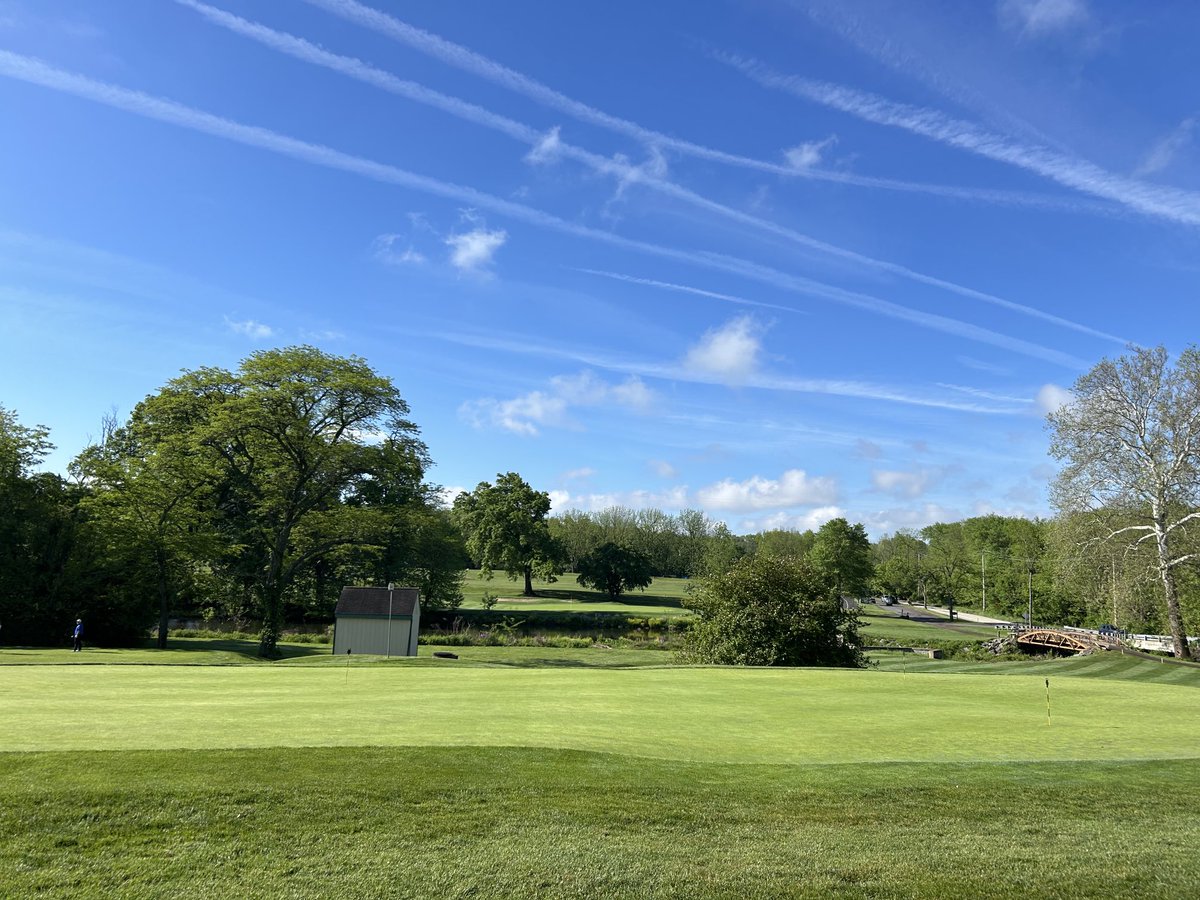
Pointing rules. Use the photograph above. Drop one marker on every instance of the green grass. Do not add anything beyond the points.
(662, 598)
(883, 624)
(685, 713)
(514, 822)
(534, 772)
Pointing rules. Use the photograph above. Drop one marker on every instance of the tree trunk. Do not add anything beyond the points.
(272, 623)
(1166, 573)
(272, 598)
(529, 581)
(164, 599)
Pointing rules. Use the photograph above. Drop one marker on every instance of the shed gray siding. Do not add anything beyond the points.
(361, 621)
(363, 634)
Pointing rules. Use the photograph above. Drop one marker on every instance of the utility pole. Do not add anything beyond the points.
(1113, 560)
(983, 575)
(391, 589)
(1031, 595)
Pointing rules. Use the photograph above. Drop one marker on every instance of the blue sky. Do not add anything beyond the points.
(777, 260)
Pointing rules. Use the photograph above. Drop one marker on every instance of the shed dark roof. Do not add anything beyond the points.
(373, 601)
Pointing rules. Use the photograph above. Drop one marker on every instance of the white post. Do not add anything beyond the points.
(391, 588)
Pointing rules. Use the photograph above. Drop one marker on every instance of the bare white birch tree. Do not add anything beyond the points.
(1130, 438)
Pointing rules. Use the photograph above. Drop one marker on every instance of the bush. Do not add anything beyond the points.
(772, 611)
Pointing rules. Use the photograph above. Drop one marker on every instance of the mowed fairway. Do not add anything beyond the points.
(403, 780)
(700, 714)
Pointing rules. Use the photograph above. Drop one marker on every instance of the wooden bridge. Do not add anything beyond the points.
(1070, 640)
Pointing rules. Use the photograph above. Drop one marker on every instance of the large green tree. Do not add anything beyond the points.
(772, 611)
(283, 445)
(843, 552)
(615, 569)
(506, 529)
(897, 560)
(1130, 441)
(146, 504)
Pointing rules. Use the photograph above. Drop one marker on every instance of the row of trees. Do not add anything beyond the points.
(257, 492)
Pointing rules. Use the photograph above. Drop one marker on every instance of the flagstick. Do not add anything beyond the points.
(1047, 701)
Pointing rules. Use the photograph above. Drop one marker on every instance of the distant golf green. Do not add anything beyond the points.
(565, 594)
(702, 714)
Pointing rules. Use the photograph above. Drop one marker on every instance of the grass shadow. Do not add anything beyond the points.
(245, 648)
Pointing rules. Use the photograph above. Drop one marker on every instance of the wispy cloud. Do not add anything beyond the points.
(763, 381)
(986, 395)
(1174, 205)
(529, 413)
(249, 328)
(808, 155)
(1164, 151)
(473, 251)
(980, 366)
(547, 150)
(1038, 18)
(652, 173)
(729, 353)
(36, 72)
(662, 468)
(395, 250)
(868, 449)
(906, 484)
(689, 289)
(468, 60)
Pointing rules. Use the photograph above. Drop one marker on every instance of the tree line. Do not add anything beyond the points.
(256, 494)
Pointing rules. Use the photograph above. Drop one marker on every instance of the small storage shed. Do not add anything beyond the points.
(378, 621)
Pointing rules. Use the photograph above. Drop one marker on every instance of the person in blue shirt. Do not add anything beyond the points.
(78, 636)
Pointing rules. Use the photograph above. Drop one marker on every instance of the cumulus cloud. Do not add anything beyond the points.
(729, 353)
(889, 521)
(581, 473)
(1050, 398)
(1042, 17)
(669, 500)
(793, 488)
(249, 328)
(474, 250)
(445, 496)
(808, 155)
(529, 413)
(785, 521)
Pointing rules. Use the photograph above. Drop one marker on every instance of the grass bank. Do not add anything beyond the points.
(517, 823)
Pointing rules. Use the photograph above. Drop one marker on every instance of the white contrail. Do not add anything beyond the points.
(834, 387)
(625, 173)
(34, 71)
(688, 289)
(469, 61)
(1149, 199)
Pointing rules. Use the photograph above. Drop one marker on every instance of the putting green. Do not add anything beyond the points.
(697, 714)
